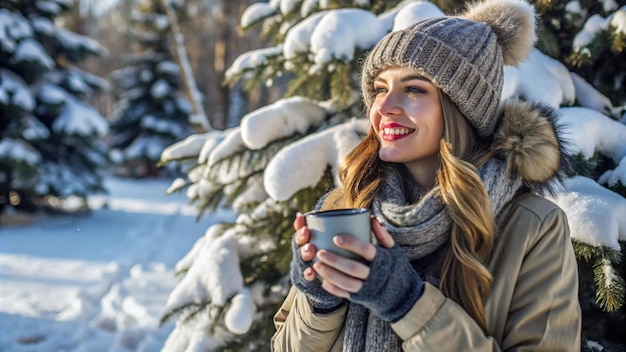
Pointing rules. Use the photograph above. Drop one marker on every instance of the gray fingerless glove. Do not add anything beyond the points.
(392, 287)
(321, 301)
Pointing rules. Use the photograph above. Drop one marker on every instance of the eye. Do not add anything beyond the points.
(380, 90)
(415, 90)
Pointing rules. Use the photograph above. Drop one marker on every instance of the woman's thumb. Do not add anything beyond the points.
(383, 237)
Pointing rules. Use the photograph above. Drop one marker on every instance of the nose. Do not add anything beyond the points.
(389, 104)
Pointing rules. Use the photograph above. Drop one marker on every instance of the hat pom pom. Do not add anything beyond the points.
(513, 22)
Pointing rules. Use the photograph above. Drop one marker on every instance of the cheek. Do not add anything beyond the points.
(374, 118)
(432, 116)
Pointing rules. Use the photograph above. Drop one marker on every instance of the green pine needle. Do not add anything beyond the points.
(610, 285)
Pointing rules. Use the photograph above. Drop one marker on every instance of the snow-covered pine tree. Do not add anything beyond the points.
(589, 37)
(150, 113)
(49, 136)
(283, 156)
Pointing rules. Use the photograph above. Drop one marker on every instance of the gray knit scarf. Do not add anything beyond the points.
(420, 229)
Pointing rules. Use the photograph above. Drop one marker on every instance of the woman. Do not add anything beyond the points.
(469, 256)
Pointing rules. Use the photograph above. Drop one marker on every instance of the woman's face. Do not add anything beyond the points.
(407, 117)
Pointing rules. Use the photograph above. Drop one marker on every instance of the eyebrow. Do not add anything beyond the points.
(405, 78)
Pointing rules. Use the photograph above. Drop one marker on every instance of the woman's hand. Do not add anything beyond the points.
(341, 276)
(307, 249)
(303, 276)
(388, 285)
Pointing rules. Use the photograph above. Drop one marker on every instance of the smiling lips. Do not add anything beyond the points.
(394, 131)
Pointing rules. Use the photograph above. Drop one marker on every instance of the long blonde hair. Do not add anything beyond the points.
(464, 277)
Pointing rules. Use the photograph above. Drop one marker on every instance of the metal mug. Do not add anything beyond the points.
(326, 224)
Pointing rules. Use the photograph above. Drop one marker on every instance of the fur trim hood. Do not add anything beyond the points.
(529, 139)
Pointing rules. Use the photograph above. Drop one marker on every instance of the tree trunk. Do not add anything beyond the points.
(221, 50)
(183, 62)
(228, 44)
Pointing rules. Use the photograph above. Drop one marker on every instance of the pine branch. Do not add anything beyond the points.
(341, 84)
(180, 311)
(272, 29)
(249, 163)
(591, 253)
(618, 44)
(185, 159)
(610, 286)
(191, 311)
(258, 75)
(271, 267)
(305, 84)
(181, 273)
(194, 310)
(210, 203)
(592, 167)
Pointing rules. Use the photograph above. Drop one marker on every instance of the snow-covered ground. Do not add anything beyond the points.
(96, 282)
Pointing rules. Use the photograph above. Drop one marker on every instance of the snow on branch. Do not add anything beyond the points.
(287, 6)
(19, 151)
(13, 28)
(594, 25)
(256, 13)
(327, 35)
(298, 38)
(589, 131)
(240, 315)
(250, 60)
(211, 234)
(349, 29)
(540, 78)
(589, 97)
(231, 143)
(192, 336)
(77, 42)
(262, 211)
(44, 26)
(414, 12)
(308, 7)
(15, 92)
(338, 34)
(187, 148)
(30, 51)
(253, 193)
(280, 119)
(213, 276)
(302, 164)
(597, 24)
(78, 118)
(34, 129)
(216, 137)
(595, 214)
(618, 20)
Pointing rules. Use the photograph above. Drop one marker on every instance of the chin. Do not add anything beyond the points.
(391, 158)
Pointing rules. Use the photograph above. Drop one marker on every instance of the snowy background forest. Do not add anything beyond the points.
(153, 154)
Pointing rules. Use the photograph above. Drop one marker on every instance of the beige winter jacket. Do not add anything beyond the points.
(533, 304)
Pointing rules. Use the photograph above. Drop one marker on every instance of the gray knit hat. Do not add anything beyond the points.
(462, 55)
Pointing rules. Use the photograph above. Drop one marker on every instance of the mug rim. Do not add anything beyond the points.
(336, 212)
